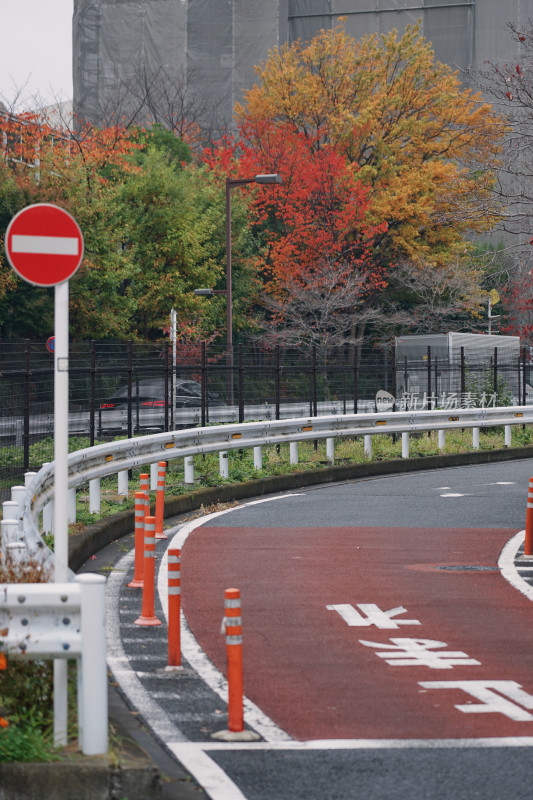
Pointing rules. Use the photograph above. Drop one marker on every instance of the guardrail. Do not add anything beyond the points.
(20, 525)
(63, 621)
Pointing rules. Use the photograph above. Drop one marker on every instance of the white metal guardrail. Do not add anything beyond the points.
(20, 526)
(63, 621)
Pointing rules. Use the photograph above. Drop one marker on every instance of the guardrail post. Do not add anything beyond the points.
(330, 450)
(123, 483)
(94, 496)
(507, 435)
(293, 452)
(223, 464)
(405, 444)
(48, 517)
(28, 477)
(160, 500)
(9, 533)
(189, 469)
(442, 439)
(92, 669)
(18, 494)
(71, 505)
(367, 445)
(174, 607)
(153, 477)
(475, 438)
(258, 458)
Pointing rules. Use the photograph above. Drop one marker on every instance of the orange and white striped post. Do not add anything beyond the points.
(528, 542)
(138, 570)
(144, 479)
(174, 607)
(160, 500)
(233, 626)
(148, 605)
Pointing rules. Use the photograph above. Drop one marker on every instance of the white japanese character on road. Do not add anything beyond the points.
(420, 653)
(490, 694)
(373, 615)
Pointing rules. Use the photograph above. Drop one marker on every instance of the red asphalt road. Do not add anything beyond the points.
(306, 668)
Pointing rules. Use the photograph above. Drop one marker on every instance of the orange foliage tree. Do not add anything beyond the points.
(424, 146)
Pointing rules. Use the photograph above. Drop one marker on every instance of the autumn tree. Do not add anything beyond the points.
(425, 147)
(317, 269)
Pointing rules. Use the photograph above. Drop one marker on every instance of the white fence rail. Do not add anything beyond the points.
(20, 525)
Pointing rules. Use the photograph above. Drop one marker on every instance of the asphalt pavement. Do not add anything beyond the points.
(337, 715)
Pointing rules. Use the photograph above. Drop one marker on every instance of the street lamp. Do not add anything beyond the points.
(231, 183)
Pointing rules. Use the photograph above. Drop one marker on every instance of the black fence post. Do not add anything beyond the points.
(203, 383)
(27, 375)
(355, 380)
(130, 371)
(394, 377)
(315, 398)
(429, 403)
(92, 399)
(495, 384)
(167, 385)
(241, 383)
(463, 375)
(524, 392)
(278, 382)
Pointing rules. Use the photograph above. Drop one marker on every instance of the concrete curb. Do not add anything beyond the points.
(136, 778)
(84, 544)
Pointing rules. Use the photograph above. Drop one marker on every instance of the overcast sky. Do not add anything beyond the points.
(35, 50)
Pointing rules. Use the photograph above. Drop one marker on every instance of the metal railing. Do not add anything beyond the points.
(20, 526)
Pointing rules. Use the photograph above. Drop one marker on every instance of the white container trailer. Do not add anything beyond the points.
(480, 354)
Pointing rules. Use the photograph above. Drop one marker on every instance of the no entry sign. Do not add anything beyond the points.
(44, 244)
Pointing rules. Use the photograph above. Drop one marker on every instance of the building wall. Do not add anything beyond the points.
(217, 43)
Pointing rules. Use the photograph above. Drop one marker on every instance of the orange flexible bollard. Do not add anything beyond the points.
(528, 542)
(174, 608)
(148, 605)
(138, 570)
(160, 500)
(233, 625)
(144, 479)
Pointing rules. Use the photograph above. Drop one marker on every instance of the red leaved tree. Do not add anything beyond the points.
(319, 270)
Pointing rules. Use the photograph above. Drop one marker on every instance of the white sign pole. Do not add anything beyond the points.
(61, 317)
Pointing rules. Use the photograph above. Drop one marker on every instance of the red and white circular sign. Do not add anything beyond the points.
(44, 244)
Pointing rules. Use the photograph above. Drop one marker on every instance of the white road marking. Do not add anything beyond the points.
(507, 565)
(190, 648)
(209, 775)
(373, 615)
(357, 744)
(453, 494)
(120, 665)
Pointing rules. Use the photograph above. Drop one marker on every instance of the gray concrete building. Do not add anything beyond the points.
(200, 54)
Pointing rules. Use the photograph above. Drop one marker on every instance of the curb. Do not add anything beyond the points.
(93, 778)
(99, 534)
